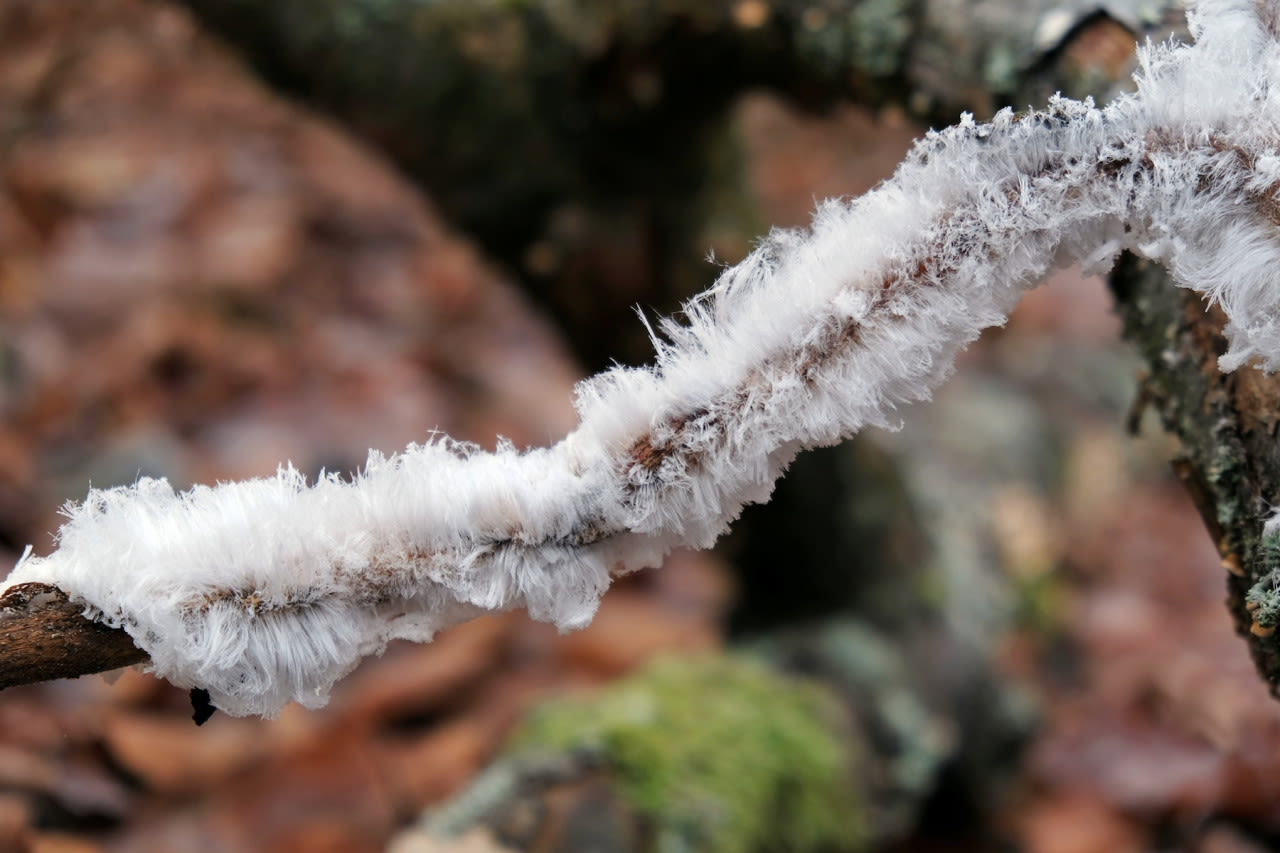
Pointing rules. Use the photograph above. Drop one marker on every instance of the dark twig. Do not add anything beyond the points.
(44, 636)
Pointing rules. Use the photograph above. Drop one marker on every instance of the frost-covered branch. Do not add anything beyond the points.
(270, 590)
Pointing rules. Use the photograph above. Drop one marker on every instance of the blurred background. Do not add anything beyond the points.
(236, 234)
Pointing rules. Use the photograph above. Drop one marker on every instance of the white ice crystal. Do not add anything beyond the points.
(268, 591)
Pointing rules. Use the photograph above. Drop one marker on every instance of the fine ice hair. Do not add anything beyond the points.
(269, 590)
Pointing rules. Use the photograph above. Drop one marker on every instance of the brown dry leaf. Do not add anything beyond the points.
(423, 770)
(631, 628)
(15, 818)
(199, 280)
(1168, 721)
(179, 248)
(1078, 822)
(477, 840)
(169, 755)
(62, 776)
(1224, 839)
(53, 842)
(418, 680)
(1135, 765)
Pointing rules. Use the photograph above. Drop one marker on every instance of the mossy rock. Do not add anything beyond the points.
(717, 753)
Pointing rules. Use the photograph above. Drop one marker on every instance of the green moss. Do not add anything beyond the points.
(721, 753)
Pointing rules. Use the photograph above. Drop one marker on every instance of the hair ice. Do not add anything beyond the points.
(268, 591)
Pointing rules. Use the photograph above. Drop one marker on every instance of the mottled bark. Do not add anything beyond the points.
(1227, 424)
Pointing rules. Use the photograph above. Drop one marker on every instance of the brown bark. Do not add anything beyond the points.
(44, 636)
(1227, 424)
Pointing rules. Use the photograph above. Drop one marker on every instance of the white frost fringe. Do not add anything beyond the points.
(268, 591)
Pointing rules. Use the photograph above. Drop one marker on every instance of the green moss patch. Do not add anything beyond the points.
(720, 753)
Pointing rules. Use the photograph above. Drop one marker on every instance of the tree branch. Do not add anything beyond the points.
(44, 636)
(268, 591)
(1227, 424)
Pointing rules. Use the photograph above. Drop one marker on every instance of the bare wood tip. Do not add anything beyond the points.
(44, 635)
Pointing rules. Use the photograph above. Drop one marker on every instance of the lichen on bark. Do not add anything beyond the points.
(1227, 425)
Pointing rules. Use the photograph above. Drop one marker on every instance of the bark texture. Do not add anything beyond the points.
(1227, 423)
(44, 636)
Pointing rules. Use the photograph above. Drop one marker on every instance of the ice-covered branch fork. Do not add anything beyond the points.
(270, 590)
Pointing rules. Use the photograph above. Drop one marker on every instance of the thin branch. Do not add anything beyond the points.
(269, 590)
(44, 636)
